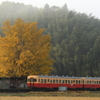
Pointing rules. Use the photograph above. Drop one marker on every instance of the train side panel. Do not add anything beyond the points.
(92, 83)
(54, 85)
(54, 82)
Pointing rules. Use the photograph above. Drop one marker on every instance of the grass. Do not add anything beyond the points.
(54, 94)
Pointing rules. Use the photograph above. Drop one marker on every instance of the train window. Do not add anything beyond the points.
(76, 81)
(47, 80)
(59, 81)
(41, 80)
(44, 81)
(53, 81)
(82, 81)
(99, 82)
(62, 81)
(56, 81)
(79, 81)
(34, 80)
(95, 82)
(90, 82)
(87, 82)
(68, 81)
(65, 81)
(50, 81)
(28, 80)
(73, 81)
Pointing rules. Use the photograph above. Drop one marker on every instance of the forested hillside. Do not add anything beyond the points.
(75, 36)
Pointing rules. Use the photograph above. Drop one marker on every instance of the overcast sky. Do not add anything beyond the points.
(83, 6)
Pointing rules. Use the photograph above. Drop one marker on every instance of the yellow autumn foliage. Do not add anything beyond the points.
(24, 50)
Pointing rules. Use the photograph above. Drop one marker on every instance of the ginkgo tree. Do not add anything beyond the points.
(24, 50)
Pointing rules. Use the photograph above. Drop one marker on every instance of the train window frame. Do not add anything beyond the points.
(81, 81)
(50, 81)
(74, 81)
(53, 80)
(31, 80)
(59, 81)
(41, 80)
(44, 80)
(88, 82)
(34, 80)
(95, 82)
(56, 81)
(77, 81)
(62, 81)
(71, 81)
(92, 82)
(66, 81)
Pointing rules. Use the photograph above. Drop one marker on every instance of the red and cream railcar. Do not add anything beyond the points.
(91, 83)
(35, 81)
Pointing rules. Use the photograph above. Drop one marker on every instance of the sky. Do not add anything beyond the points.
(82, 6)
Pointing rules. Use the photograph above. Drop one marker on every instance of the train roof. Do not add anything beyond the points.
(45, 76)
(92, 77)
(59, 77)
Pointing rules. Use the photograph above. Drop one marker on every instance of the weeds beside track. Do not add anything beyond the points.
(55, 94)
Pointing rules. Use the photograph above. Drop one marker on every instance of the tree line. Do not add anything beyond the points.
(75, 37)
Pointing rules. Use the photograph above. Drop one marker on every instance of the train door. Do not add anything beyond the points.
(72, 83)
(32, 81)
(83, 82)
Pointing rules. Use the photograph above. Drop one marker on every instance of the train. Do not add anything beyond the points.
(56, 82)
(44, 82)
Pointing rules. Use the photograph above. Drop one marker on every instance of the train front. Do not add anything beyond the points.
(31, 80)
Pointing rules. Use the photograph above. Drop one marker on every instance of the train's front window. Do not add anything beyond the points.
(32, 80)
(35, 80)
(28, 80)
